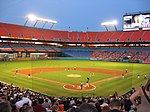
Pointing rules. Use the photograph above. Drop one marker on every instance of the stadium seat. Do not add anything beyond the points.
(146, 36)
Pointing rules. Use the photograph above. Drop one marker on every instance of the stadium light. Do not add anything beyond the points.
(32, 17)
(111, 23)
(35, 18)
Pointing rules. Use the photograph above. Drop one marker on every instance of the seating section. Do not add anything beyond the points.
(64, 36)
(32, 101)
(30, 47)
(25, 32)
(73, 36)
(147, 59)
(146, 36)
(100, 36)
(5, 47)
(17, 47)
(10, 29)
(115, 37)
(137, 36)
(2, 31)
(140, 55)
(76, 52)
(106, 37)
(125, 37)
(92, 36)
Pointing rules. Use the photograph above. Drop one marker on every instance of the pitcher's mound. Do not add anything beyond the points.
(77, 87)
(74, 75)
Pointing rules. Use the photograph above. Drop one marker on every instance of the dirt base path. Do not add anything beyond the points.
(77, 87)
(73, 87)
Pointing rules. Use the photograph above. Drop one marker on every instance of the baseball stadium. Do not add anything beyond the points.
(64, 63)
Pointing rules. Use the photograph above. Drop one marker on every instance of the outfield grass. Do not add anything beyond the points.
(103, 88)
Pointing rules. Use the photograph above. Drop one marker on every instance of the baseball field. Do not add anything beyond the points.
(65, 77)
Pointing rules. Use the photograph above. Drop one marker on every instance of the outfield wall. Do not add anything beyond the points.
(96, 59)
(72, 58)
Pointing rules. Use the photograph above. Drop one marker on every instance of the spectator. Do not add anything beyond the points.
(115, 105)
(55, 108)
(66, 104)
(46, 103)
(103, 103)
(4, 104)
(85, 107)
(127, 104)
(61, 106)
(98, 107)
(73, 109)
(144, 93)
(5, 107)
(37, 107)
(106, 109)
(26, 108)
(23, 100)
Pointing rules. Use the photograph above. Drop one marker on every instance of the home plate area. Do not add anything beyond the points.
(77, 87)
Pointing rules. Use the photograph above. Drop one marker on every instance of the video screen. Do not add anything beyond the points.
(135, 22)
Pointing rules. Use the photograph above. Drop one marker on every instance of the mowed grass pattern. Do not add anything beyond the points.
(54, 89)
(62, 76)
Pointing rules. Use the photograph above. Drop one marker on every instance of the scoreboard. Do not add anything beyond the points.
(136, 22)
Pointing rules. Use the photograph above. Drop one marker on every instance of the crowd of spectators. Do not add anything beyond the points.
(15, 99)
(121, 55)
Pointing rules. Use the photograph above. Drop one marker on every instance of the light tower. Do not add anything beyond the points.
(32, 17)
(111, 23)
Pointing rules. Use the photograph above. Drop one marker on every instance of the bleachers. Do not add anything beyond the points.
(92, 36)
(5, 47)
(48, 36)
(34, 33)
(54, 36)
(116, 55)
(11, 30)
(43, 35)
(33, 101)
(100, 36)
(76, 52)
(141, 55)
(73, 36)
(137, 36)
(106, 37)
(30, 47)
(82, 37)
(64, 36)
(115, 37)
(2, 31)
(17, 47)
(146, 36)
(24, 32)
(125, 37)
(147, 59)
